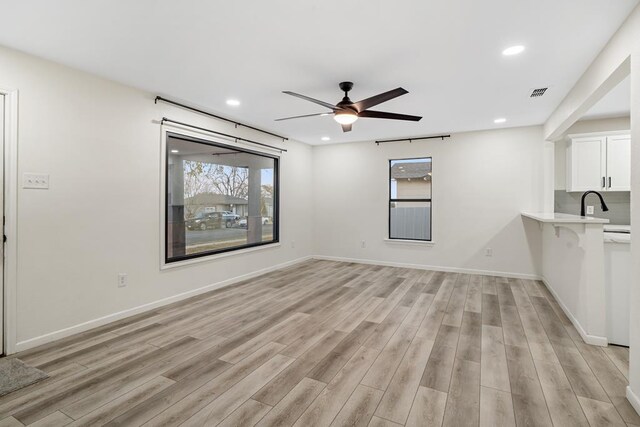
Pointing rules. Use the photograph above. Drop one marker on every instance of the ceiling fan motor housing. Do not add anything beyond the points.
(346, 86)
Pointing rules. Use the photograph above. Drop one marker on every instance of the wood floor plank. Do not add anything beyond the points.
(329, 402)
(399, 395)
(201, 397)
(529, 405)
(247, 415)
(358, 410)
(289, 409)
(494, 370)
(284, 382)
(119, 405)
(601, 414)
(230, 400)
(387, 362)
(620, 357)
(381, 422)
(171, 395)
(437, 373)
(427, 408)
(561, 401)
(491, 310)
(463, 402)
(496, 408)
(470, 341)
(10, 422)
(56, 419)
(474, 295)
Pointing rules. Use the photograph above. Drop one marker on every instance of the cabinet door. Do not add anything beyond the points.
(619, 163)
(586, 165)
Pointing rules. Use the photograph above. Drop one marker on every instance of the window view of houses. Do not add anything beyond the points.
(218, 199)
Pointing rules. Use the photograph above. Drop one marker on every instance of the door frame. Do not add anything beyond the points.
(11, 217)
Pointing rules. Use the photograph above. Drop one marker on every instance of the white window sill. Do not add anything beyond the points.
(166, 266)
(410, 242)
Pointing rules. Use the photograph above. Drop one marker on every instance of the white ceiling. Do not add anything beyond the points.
(616, 103)
(447, 54)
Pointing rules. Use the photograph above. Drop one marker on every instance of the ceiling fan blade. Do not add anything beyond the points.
(379, 99)
(383, 115)
(315, 101)
(306, 115)
(346, 128)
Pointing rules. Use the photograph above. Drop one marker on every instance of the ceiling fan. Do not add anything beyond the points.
(346, 112)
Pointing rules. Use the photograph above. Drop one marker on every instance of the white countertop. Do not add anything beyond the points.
(564, 218)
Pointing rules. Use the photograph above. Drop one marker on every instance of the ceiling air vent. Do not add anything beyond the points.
(538, 92)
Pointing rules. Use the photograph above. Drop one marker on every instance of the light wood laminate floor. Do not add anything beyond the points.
(325, 343)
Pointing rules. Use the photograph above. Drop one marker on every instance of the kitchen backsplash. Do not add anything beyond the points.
(619, 204)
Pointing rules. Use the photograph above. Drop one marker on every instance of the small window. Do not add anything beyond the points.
(219, 198)
(410, 199)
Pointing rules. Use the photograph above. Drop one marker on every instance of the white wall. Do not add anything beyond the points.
(100, 144)
(620, 57)
(481, 183)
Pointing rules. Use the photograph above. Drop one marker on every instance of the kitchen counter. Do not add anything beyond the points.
(558, 218)
(572, 268)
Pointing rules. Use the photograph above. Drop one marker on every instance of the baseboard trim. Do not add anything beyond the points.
(430, 267)
(589, 339)
(633, 399)
(82, 327)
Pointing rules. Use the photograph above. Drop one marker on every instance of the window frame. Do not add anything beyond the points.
(206, 139)
(417, 200)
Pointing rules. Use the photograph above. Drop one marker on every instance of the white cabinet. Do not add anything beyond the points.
(599, 162)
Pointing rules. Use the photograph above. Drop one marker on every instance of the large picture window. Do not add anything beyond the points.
(410, 199)
(219, 198)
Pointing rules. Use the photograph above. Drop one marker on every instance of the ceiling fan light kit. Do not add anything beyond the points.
(346, 112)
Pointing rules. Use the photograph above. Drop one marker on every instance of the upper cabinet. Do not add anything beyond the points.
(599, 161)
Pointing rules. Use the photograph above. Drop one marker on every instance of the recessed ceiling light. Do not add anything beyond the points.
(500, 120)
(513, 50)
(233, 102)
(325, 138)
(175, 151)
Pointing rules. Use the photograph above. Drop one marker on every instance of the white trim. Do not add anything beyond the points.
(410, 242)
(589, 339)
(430, 267)
(192, 261)
(62, 333)
(11, 218)
(590, 134)
(633, 399)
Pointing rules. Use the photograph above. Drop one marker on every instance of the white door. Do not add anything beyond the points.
(619, 163)
(587, 168)
(2, 127)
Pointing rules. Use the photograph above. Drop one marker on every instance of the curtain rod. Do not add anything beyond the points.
(417, 138)
(197, 110)
(236, 138)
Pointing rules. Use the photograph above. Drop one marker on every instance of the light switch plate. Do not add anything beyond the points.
(38, 181)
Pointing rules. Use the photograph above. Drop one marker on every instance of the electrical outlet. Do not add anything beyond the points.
(293, 244)
(37, 181)
(363, 244)
(488, 252)
(123, 280)
(589, 210)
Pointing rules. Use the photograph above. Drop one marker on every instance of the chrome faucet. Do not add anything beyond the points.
(586, 193)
